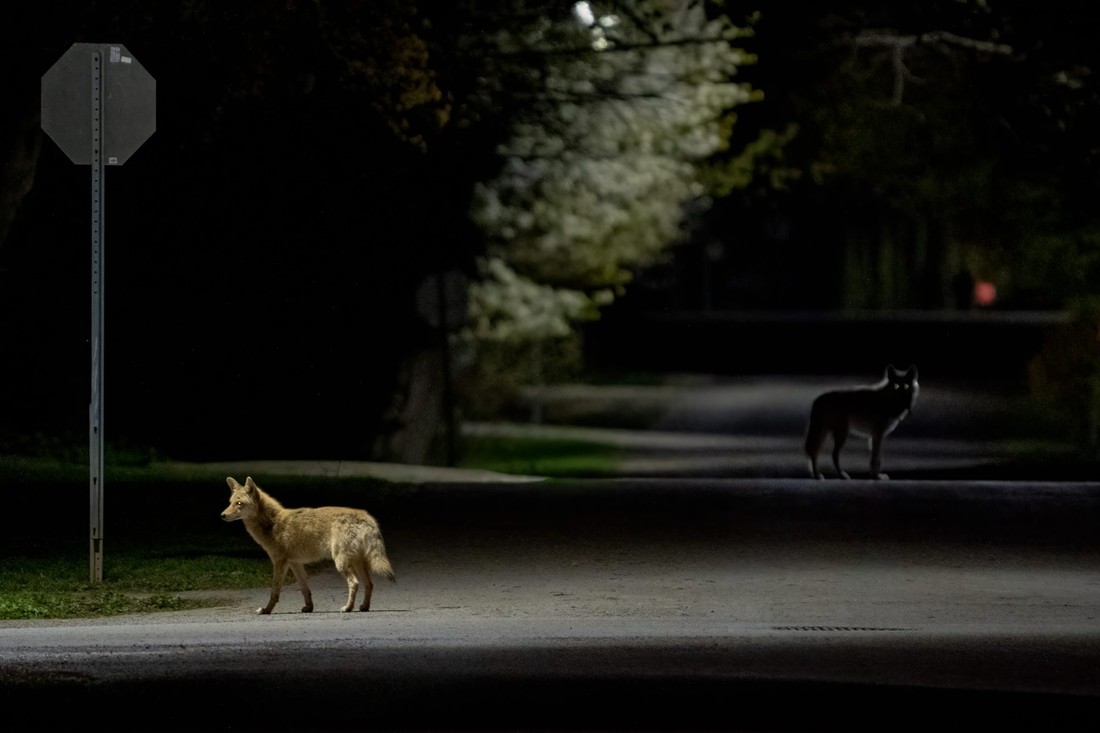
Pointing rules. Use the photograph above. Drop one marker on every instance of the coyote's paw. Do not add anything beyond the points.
(263, 611)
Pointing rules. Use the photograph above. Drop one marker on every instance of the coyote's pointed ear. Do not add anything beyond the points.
(232, 482)
(250, 484)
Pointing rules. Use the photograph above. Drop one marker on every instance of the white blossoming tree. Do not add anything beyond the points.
(628, 100)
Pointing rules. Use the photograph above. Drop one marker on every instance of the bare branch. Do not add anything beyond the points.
(883, 39)
(898, 44)
(900, 72)
(886, 38)
(950, 38)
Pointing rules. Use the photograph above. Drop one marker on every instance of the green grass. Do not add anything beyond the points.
(92, 601)
(54, 582)
(539, 457)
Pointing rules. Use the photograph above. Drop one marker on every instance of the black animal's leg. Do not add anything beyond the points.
(876, 458)
(814, 439)
(840, 435)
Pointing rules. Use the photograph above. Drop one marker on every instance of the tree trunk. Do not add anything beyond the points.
(20, 141)
(416, 419)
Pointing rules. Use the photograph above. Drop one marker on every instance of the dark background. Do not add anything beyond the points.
(264, 248)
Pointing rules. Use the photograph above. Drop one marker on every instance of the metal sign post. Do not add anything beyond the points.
(99, 106)
(95, 409)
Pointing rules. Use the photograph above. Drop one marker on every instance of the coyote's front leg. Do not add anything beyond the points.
(303, 582)
(278, 572)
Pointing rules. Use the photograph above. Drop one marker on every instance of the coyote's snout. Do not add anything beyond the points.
(351, 538)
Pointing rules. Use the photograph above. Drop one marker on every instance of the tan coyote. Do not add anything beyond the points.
(873, 411)
(294, 537)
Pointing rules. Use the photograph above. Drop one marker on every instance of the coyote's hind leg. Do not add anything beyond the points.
(362, 569)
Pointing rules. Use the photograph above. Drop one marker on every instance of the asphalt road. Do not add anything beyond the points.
(661, 604)
(754, 427)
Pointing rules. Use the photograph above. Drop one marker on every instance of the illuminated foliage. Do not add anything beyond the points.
(603, 153)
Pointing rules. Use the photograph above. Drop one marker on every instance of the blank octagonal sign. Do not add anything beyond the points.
(128, 102)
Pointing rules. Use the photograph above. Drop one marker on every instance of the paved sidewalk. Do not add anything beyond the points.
(749, 427)
(399, 472)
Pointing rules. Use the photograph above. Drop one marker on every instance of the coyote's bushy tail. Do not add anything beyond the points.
(379, 560)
